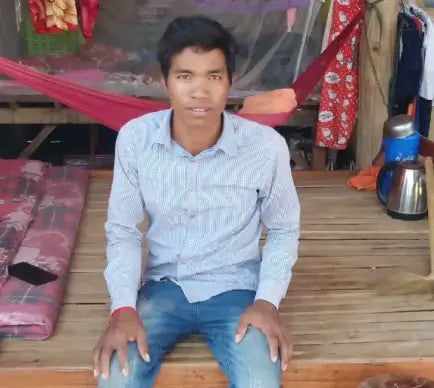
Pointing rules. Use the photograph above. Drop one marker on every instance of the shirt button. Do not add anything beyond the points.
(192, 216)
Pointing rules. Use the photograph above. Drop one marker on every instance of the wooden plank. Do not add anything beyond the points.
(37, 141)
(331, 312)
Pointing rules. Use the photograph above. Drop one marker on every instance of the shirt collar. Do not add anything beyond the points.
(227, 141)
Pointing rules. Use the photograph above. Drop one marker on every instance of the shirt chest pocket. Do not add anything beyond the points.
(234, 197)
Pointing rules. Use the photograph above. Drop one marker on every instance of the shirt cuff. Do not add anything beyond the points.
(127, 299)
(270, 292)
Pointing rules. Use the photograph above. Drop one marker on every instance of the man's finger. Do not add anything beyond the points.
(241, 330)
(122, 356)
(142, 344)
(273, 343)
(285, 352)
(105, 359)
(96, 363)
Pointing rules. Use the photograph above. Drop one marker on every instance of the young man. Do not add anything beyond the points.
(207, 180)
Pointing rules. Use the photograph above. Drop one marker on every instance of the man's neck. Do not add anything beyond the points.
(195, 139)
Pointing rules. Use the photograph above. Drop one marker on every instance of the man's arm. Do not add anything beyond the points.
(125, 213)
(124, 260)
(280, 213)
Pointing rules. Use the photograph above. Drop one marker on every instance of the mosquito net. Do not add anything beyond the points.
(277, 40)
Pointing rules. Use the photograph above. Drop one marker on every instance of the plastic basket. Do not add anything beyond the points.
(63, 43)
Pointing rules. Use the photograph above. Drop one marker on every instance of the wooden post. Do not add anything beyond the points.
(372, 111)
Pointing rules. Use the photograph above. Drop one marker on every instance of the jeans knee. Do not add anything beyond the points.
(140, 373)
(252, 366)
(259, 376)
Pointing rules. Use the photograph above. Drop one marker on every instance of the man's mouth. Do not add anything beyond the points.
(199, 111)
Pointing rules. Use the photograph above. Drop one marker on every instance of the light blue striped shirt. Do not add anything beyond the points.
(205, 211)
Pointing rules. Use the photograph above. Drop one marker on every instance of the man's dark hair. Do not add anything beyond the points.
(195, 31)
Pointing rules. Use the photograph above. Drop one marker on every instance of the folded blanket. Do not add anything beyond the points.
(21, 189)
(29, 311)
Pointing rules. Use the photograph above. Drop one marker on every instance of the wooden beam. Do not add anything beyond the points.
(42, 116)
(47, 115)
(37, 141)
(184, 375)
(372, 110)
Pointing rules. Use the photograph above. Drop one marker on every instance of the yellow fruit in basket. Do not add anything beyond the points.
(62, 4)
(51, 21)
(57, 11)
(60, 12)
(49, 9)
(71, 19)
(62, 24)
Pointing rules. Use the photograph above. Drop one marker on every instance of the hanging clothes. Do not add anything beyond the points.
(87, 15)
(340, 91)
(427, 83)
(409, 67)
(413, 85)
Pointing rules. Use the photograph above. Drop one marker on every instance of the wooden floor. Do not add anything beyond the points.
(342, 330)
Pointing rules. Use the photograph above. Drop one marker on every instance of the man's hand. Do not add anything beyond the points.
(264, 316)
(123, 328)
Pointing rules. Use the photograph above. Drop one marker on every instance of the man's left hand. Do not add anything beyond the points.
(264, 316)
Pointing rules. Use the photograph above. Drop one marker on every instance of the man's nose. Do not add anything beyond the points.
(200, 89)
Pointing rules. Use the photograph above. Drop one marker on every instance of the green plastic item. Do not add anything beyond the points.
(60, 44)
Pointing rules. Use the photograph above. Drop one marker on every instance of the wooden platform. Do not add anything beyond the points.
(343, 332)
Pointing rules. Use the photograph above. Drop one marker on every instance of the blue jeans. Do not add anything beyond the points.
(168, 318)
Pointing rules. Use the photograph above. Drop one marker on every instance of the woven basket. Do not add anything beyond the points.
(63, 43)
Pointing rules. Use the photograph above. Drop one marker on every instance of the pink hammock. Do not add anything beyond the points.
(114, 110)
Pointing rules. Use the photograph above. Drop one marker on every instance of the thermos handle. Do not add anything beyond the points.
(385, 169)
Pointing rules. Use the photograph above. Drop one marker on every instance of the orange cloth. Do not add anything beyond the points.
(366, 179)
(274, 101)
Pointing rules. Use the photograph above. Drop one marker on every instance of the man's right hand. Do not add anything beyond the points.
(124, 327)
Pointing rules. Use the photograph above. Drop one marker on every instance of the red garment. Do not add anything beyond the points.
(87, 14)
(340, 92)
(114, 110)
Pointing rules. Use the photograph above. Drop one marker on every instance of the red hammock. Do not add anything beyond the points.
(114, 110)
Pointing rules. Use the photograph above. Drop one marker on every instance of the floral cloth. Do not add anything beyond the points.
(340, 91)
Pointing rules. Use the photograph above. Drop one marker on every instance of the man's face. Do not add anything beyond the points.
(198, 86)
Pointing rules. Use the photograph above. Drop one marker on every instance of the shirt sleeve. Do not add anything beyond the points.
(280, 214)
(126, 211)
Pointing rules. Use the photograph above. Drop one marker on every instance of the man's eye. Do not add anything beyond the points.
(216, 77)
(183, 76)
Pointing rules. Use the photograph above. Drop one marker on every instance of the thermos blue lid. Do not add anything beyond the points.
(398, 127)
